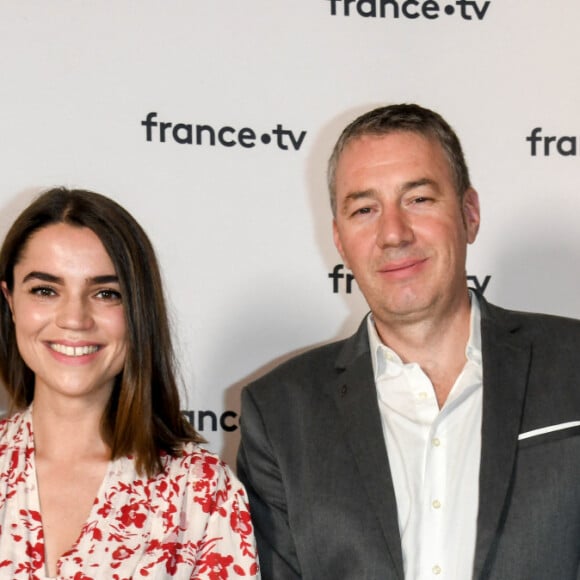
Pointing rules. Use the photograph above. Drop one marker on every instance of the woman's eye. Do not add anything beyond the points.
(43, 291)
(109, 294)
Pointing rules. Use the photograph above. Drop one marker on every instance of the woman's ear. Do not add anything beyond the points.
(7, 295)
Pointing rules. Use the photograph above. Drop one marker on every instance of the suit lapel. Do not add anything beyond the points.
(356, 399)
(506, 361)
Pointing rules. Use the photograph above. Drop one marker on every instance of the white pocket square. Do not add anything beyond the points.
(549, 429)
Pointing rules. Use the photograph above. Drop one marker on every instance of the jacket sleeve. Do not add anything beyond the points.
(260, 472)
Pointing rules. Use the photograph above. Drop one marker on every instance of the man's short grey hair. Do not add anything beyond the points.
(402, 118)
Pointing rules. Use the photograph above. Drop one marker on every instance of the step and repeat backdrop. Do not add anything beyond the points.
(211, 122)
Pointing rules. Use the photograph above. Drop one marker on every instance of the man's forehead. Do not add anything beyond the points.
(393, 138)
(368, 151)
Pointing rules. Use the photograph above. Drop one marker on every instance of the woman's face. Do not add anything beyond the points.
(68, 314)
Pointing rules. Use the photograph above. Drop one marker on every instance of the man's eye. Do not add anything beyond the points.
(362, 210)
(422, 199)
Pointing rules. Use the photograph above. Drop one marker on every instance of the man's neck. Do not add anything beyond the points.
(436, 343)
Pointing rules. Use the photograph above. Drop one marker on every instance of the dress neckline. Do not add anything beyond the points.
(35, 501)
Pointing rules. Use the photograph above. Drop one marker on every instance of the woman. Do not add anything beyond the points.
(101, 477)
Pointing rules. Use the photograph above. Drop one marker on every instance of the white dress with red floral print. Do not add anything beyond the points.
(189, 522)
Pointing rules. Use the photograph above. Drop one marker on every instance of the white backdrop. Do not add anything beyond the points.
(243, 231)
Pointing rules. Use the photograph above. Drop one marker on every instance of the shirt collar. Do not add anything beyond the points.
(387, 362)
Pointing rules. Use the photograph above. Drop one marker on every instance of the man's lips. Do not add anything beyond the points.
(402, 265)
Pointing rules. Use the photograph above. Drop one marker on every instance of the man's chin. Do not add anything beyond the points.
(409, 307)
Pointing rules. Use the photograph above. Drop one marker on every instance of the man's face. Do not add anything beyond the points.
(401, 227)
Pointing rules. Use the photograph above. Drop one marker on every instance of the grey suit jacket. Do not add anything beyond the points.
(315, 465)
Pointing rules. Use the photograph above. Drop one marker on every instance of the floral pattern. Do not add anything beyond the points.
(189, 522)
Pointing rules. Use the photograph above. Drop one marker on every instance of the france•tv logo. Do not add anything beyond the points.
(343, 281)
(410, 9)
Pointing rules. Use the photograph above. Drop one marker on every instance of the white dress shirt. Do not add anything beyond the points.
(434, 457)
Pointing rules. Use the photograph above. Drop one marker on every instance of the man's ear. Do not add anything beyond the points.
(471, 214)
(338, 243)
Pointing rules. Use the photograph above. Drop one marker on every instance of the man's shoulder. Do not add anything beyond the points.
(313, 361)
(549, 332)
(532, 322)
(314, 366)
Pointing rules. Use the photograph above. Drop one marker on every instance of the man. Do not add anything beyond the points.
(442, 440)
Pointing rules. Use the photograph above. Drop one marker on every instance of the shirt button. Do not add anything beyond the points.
(436, 570)
(436, 442)
(436, 504)
(423, 395)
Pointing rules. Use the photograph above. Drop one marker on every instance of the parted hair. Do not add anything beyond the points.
(402, 118)
(143, 416)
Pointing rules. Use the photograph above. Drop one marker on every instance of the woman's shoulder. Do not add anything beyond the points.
(199, 464)
(15, 428)
(202, 481)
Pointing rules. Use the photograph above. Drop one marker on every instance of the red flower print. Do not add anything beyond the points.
(36, 554)
(130, 515)
(191, 520)
(105, 509)
(171, 565)
(81, 576)
(241, 522)
(205, 500)
(167, 516)
(122, 553)
(218, 565)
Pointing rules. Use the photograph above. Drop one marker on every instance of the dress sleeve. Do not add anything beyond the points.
(259, 471)
(228, 548)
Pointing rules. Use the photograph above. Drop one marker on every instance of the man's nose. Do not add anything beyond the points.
(394, 227)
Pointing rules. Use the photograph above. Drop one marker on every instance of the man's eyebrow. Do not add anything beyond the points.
(410, 185)
(51, 278)
(356, 195)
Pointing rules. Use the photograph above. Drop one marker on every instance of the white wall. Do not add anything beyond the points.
(243, 233)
